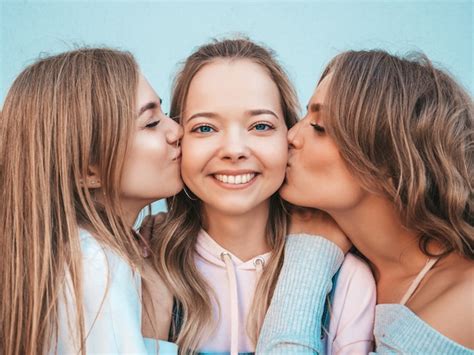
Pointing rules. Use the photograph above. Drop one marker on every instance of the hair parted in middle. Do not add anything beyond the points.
(175, 240)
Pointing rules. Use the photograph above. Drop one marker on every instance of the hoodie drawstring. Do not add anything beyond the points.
(234, 298)
(234, 303)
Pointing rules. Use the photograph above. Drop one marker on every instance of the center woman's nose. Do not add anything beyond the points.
(234, 146)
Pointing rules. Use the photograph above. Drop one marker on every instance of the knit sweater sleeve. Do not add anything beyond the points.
(293, 321)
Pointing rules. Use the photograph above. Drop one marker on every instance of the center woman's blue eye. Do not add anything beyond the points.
(204, 129)
(262, 127)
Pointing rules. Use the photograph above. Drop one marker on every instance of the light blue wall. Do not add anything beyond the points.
(305, 34)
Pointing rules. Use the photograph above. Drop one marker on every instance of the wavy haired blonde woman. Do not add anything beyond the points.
(386, 148)
(221, 248)
(84, 146)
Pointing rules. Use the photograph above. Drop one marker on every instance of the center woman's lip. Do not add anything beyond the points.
(240, 177)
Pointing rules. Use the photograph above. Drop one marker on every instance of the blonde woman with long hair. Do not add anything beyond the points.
(84, 146)
(221, 247)
(386, 148)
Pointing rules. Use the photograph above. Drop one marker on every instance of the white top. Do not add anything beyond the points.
(352, 313)
(112, 307)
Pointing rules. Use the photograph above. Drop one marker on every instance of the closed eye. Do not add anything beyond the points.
(152, 124)
(318, 128)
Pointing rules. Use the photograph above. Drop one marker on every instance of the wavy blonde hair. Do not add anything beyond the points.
(406, 129)
(176, 237)
(62, 114)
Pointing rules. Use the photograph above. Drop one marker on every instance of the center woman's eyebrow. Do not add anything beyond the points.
(203, 114)
(149, 106)
(249, 113)
(261, 112)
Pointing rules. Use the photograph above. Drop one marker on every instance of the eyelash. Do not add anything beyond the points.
(152, 124)
(318, 128)
(196, 129)
(263, 123)
(268, 127)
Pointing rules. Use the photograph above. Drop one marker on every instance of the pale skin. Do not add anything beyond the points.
(234, 126)
(444, 297)
(151, 165)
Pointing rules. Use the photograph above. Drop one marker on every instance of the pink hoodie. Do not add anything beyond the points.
(233, 282)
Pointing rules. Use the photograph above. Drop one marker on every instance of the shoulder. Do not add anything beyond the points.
(355, 293)
(446, 303)
(356, 270)
(102, 267)
(110, 302)
(354, 301)
(96, 254)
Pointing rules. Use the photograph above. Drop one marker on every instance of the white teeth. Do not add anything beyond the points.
(235, 179)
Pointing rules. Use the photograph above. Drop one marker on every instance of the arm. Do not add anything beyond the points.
(293, 320)
(157, 303)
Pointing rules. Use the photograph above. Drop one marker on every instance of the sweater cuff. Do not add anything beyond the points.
(296, 309)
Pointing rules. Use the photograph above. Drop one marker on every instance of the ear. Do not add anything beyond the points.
(92, 180)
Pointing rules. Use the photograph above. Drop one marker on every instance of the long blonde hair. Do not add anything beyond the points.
(406, 129)
(62, 114)
(175, 240)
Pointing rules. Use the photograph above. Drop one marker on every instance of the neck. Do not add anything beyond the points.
(376, 230)
(131, 209)
(243, 234)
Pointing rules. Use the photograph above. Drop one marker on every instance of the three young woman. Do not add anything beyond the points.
(84, 146)
(386, 148)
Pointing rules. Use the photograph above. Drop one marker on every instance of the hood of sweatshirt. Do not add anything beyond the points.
(208, 249)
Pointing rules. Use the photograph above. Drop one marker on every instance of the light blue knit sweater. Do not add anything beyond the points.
(293, 321)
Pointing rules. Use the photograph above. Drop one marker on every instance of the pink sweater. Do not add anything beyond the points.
(233, 283)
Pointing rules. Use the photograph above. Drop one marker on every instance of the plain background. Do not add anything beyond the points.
(304, 34)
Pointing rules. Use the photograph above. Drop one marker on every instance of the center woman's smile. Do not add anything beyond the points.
(235, 179)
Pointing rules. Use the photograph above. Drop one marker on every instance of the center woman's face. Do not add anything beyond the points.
(234, 146)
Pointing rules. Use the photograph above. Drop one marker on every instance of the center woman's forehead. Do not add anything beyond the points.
(239, 92)
(223, 87)
(232, 74)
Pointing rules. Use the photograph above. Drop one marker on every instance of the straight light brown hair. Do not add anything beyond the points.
(62, 115)
(406, 129)
(176, 238)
